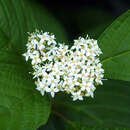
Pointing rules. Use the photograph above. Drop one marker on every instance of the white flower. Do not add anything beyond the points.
(41, 89)
(47, 56)
(41, 86)
(52, 90)
(26, 55)
(77, 95)
(57, 68)
(36, 60)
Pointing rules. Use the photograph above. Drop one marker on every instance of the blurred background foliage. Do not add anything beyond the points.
(83, 17)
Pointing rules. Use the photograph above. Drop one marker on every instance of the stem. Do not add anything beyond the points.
(63, 117)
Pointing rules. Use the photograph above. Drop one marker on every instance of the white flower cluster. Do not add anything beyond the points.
(76, 70)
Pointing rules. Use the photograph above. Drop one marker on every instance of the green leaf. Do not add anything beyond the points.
(115, 44)
(22, 107)
(109, 109)
(22, 104)
(19, 17)
(79, 127)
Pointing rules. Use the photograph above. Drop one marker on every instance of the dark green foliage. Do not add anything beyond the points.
(23, 108)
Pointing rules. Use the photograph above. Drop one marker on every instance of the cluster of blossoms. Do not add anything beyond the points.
(57, 67)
